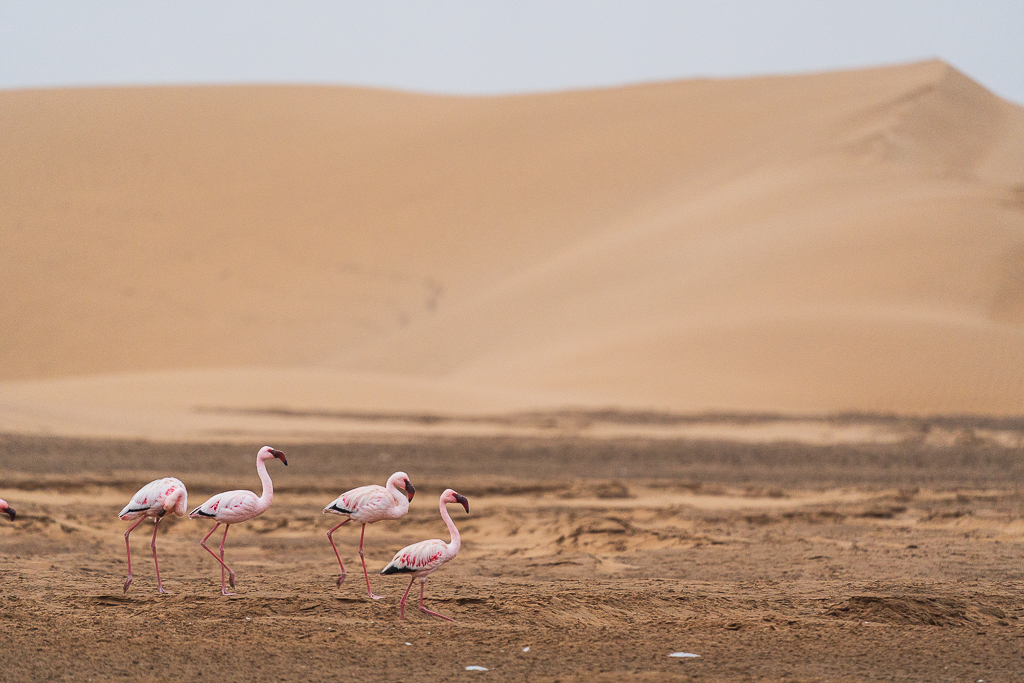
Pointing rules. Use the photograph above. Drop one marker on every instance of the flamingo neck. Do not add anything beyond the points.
(401, 500)
(267, 497)
(456, 543)
(171, 502)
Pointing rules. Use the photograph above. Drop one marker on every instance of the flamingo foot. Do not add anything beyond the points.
(229, 594)
(341, 579)
(374, 596)
(434, 614)
(164, 591)
(127, 583)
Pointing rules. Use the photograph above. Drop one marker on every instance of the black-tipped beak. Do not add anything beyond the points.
(461, 499)
(410, 490)
(279, 455)
(11, 513)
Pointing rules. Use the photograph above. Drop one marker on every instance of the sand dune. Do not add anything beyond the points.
(837, 242)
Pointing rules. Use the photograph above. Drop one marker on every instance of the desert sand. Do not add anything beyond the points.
(725, 367)
(812, 244)
(772, 563)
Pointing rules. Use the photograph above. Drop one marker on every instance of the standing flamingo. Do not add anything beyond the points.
(4, 507)
(369, 504)
(155, 500)
(238, 506)
(424, 558)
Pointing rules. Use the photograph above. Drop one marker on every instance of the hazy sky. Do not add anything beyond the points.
(495, 46)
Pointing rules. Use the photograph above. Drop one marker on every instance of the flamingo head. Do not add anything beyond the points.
(400, 480)
(266, 453)
(450, 496)
(5, 508)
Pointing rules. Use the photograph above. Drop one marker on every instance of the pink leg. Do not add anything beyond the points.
(129, 547)
(401, 605)
(156, 563)
(427, 611)
(365, 573)
(224, 566)
(220, 559)
(341, 579)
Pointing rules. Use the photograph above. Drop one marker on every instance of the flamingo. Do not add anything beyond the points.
(4, 507)
(369, 504)
(238, 506)
(424, 558)
(154, 500)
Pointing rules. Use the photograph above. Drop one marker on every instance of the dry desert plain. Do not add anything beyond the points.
(730, 368)
(781, 561)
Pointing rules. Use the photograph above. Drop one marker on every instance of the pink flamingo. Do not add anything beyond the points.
(369, 504)
(424, 558)
(4, 507)
(238, 506)
(154, 500)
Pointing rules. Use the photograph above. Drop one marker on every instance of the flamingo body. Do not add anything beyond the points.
(421, 559)
(230, 507)
(153, 501)
(156, 499)
(373, 503)
(237, 506)
(7, 509)
(368, 505)
(424, 558)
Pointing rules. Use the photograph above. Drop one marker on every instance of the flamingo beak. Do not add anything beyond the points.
(461, 499)
(11, 513)
(410, 491)
(279, 455)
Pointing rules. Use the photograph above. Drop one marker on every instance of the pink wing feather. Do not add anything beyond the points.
(229, 507)
(422, 557)
(366, 504)
(152, 499)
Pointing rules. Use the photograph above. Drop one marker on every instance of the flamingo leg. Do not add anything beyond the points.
(231, 574)
(401, 605)
(129, 547)
(221, 558)
(156, 563)
(365, 573)
(423, 583)
(341, 579)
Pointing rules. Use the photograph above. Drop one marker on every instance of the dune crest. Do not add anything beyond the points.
(819, 243)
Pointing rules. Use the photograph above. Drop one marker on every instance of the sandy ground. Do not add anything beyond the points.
(583, 559)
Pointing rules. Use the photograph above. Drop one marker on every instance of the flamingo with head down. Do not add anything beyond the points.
(367, 505)
(153, 501)
(424, 558)
(231, 507)
(7, 509)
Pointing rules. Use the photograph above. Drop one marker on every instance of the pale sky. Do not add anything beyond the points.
(495, 46)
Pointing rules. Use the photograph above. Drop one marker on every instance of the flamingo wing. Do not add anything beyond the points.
(149, 500)
(365, 504)
(229, 507)
(425, 556)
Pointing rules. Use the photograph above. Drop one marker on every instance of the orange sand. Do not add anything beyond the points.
(846, 241)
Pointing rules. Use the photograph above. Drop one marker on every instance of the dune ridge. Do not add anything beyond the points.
(849, 241)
